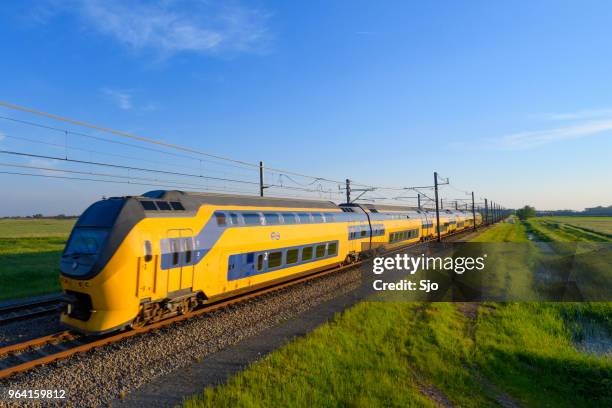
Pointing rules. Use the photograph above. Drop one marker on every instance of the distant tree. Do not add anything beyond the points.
(526, 212)
(37, 216)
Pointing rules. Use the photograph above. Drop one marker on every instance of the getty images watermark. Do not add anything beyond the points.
(412, 264)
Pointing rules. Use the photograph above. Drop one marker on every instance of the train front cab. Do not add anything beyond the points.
(96, 265)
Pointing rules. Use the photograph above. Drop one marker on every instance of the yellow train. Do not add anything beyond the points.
(133, 260)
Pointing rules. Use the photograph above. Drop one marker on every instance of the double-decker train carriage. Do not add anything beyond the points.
(133, 260)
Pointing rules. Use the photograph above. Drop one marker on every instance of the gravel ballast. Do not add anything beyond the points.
(97, 377)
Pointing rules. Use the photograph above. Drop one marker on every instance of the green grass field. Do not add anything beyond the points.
(571, 229)
(395, 354)
(596, 224)
(29, 256)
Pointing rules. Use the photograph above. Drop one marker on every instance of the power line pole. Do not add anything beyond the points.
(437, 209)
(492, 212)
(419, 200)
(348, 191)
(486, 217)
(261, 178)
(473, 212)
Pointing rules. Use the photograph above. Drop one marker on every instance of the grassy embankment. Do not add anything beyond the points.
(402, 354)
(29, 256)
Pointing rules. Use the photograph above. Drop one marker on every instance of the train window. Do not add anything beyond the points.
(188, 250)
(306, 253)
(148, 251)
(175, 252)
(363, 233)
(275, 259)
(251, 218)
(304, 218)
(329, 217)
(332, 248)
(292, 256)
(272, 218)
(289, 218)
(234, 218)
(317, 218)
(221, 221)
(148, 205)
(249, 257)
(177, 206)
(163, 205)
(320, 251)
(259, 262)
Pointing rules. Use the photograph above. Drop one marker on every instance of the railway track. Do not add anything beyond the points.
(30, 308)
(22, 357)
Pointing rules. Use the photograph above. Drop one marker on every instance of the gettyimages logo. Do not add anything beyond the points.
(412, 264)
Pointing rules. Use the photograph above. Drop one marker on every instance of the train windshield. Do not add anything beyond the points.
(89, 236)
(86, 241)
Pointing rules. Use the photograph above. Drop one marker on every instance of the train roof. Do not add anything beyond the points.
(196, 199)
(383, 207)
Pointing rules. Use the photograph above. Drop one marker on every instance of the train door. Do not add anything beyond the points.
(147, 268)
(180, 271)
(187, 267)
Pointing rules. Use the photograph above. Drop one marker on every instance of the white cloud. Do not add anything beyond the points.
(122, 99)
(532, 139)
(2, 136)
(169, 27)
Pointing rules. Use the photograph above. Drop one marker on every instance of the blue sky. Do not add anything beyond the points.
(512, 100)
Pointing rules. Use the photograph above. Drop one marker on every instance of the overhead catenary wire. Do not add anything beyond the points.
(146, 139)
(104, 181)
(63, 146)
(321, 186)
(144, 169)
(148, 170)
(156, 142)
(117, 142)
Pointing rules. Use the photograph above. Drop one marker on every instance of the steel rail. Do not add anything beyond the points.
(29, 308)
